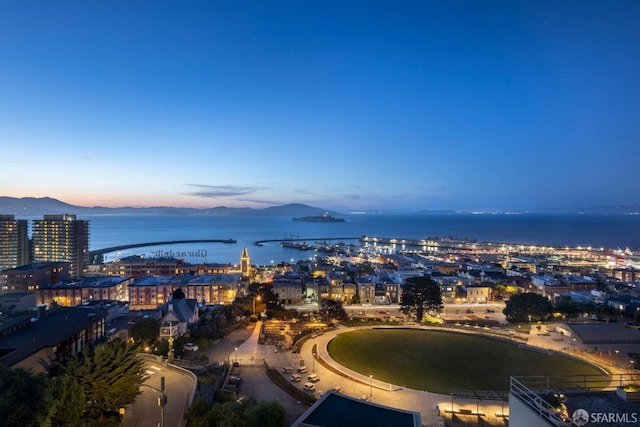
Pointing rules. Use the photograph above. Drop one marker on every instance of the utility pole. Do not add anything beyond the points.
(162, 401)
(162, 398)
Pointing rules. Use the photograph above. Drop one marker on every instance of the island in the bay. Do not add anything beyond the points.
(325, 217)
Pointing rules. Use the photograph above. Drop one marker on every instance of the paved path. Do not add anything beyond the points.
(255, 383)
(249, 353)
(352, 383)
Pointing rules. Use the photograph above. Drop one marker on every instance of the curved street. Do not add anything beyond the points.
(242, 346)
(179, 388)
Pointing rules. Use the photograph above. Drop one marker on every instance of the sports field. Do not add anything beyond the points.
(439, 361)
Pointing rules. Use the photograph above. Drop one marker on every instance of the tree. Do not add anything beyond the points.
(527, 307)
(108, 375)
(332, 309)
(243, 413)
(420, 294)
(178, 293)
(23, 398)
(146, 330)
(67, 402)
(266, 414)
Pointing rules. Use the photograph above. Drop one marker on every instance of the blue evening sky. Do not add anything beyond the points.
(346, 105)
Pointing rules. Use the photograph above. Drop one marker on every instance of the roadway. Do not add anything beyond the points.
(242, 345)
(256, 383)
(179, 388)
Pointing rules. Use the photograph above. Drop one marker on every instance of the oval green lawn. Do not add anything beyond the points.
(439, 361)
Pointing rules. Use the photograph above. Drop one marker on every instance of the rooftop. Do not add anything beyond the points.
(337, 410)
(184, 280)
(54, 328)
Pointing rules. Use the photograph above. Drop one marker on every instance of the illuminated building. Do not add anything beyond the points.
(31, 277)
(245, 263)
(148, 293)
(87, 289)
(14, 242)
(62, 238)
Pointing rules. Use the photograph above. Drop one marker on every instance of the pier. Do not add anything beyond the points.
(313, 239)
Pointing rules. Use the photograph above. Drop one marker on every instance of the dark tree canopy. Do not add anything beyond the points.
(244, 413)
(146, 330)
(420, 294)
(332, 309)
(527, 307)
(22, 398)
(108, 375)
(67, 402)
(178, 293)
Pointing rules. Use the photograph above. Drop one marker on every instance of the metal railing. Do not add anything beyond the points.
(533, 399)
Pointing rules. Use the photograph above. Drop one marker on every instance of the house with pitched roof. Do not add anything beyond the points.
(179, 315)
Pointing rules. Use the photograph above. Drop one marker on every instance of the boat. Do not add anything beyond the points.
(325, 217)
(290, 244)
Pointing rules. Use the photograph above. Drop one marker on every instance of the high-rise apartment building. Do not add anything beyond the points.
(62, 238)
(14, 242)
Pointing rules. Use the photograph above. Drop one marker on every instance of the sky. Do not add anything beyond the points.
(343, 105)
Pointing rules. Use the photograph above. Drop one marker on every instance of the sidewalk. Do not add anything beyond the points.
(430, 405)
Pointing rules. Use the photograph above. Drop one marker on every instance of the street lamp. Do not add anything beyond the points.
(236, 354)
(257, 297)
(162, 400)
(314, 362)
(370, 386)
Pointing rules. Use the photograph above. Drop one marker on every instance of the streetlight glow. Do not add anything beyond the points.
(257, 297)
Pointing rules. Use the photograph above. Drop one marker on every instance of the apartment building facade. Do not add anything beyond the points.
(62, 238)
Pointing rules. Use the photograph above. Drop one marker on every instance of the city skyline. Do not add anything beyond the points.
(345, 105)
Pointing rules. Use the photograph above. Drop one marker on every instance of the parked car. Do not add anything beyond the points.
(296, 378)
(337, 388)
(309, 386)
(287, 369)
(190, 347)
(314, 378)
(303, 369)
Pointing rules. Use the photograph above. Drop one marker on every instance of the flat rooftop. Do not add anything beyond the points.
(605, 333)
(337, 410)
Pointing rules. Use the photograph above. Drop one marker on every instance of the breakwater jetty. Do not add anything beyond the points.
(97, 255)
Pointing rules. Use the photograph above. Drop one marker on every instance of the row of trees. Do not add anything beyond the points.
(88, 390)
(232, 413)
(531, 307)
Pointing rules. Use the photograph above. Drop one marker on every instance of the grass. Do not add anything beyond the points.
(440, 361)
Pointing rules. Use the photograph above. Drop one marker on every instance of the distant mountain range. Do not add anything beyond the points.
(33, 206)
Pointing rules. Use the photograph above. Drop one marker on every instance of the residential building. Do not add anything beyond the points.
(289, 288)
(31, 277)
(478, 294)
(57, 334)
(147, 293)
(179, 315)
(140, 266)
(367, 289)
(83, 290)
(14, 242)
(62, 238)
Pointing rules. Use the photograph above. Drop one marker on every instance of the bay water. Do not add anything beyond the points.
(588, 230)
